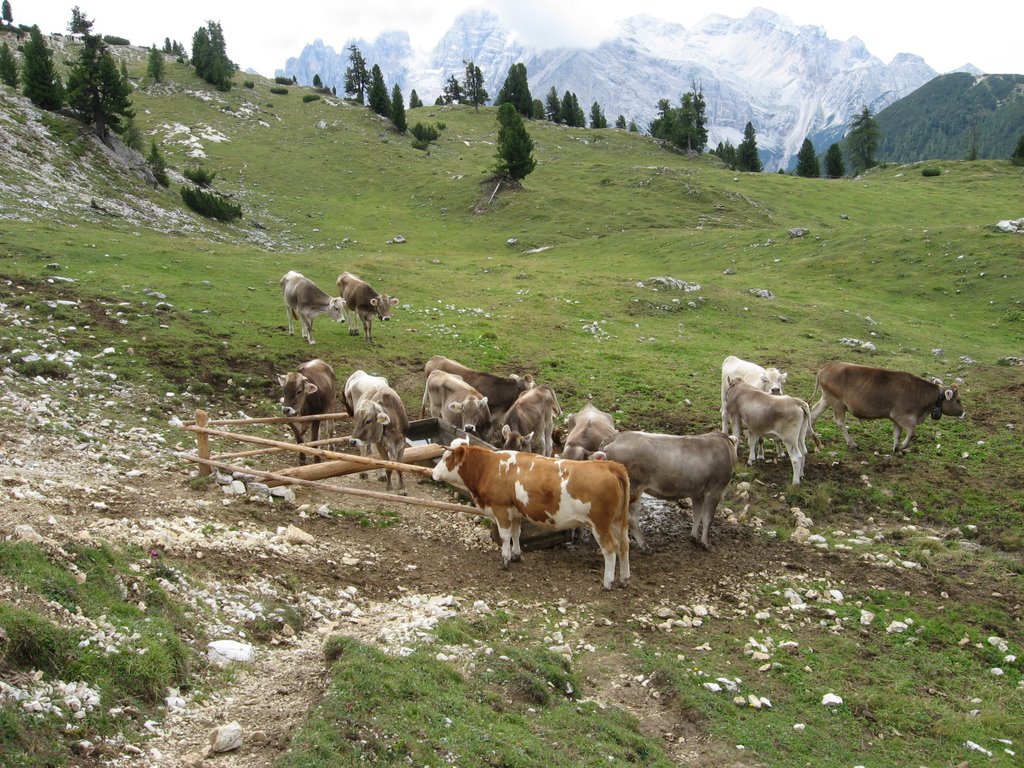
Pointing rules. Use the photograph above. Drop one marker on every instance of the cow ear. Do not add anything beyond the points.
(311, 388)
(950, 393)
(281, 379)
(394, 302)
(506, 430)
(782, 378)
(483, 401)
(528, 438)
(373, 302)
(455, 406)
(383, 418)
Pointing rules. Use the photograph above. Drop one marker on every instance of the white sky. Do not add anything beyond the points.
(985, 33)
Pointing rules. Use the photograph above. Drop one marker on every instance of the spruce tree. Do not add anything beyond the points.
(474, 92)
(377, 96)
(597, 118)
(516, 91)
(620, 122)
(537, 111)
(8, 67)
(862, 141)
(6, 13)
(317, 82)
(1017, 158)
(43, 85)
(96, 89)
(155, 65)
(452, 91)
(835, 168)
(414, 99)
(515, 147)
(746, 152)
(357, 77)
(157, 164)
(398, 109)
(807, 161)
(553, 106)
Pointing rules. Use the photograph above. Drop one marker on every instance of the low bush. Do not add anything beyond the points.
(310, 97)
(115, 40)
(199, 175)
(930, 172)
(210, 204)
(425, 133)
(249, 84)
(279, 90)
(283, 80)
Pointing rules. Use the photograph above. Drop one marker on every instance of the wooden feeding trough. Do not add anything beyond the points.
(427, 441)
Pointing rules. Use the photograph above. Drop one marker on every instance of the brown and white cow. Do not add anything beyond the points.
(308, 391)
(304, 300)
(357, 385)
(770, 380)
(363, 303)
(530, 420)
(674, 467)
(458, 404)
(380, 419)
(500, 391)
(511, 486)
(585, 431)
(764, 415)
(878, 393)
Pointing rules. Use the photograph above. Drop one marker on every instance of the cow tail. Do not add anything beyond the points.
(818, 442)
(622, 532)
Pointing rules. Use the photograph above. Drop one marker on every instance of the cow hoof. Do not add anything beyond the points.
(363, 475)
(517, 558)
(504, 565)
(625, 583)
(402, 492)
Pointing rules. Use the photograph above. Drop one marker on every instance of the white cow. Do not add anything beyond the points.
(770, 380)
(304, 301)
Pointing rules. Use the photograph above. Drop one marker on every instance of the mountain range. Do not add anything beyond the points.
(790, 81)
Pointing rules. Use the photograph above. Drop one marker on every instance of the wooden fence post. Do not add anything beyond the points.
(203, 441)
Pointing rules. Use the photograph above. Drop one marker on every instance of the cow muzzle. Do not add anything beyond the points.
(287, 410)
(470, 428)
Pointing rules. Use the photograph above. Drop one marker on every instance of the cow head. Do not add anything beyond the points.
(771, 381)
(369, 422)
(336, 309)
(948, 403)
(382, 304)
(447, 468)
(296, 388)
(516, 441)
(475, 413)
(523, 383)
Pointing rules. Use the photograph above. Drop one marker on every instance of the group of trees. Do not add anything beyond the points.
(209, 56)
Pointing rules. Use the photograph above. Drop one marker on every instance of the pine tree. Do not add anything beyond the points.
(537, 110)
(474, 92)
(553, 106)
(414, 100)
(862, 141)
(452, 91)
(96, 89)
(620, 122)
(515, 147)
(746, 153)
(377, 96)
(357, 77)
(43, 85)
(398, 109)
(597, 118)
(8, 67)
(155, 65)
(1017, 158)
(317, 82)
(571, 111)
(79, 25)
(209, 56)
(807, 161)
(516, 91)
(684, 126)
(633, 127)
(835, 168)
(157, 164)
(6, 13)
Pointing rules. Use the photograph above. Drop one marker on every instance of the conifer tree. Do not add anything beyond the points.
(210, 58)
(8, 66)
(43, 85)
(155, 65)
(1017, 158)
(597, 118)
(96, 89)
(398, 109)
(807, 161)
(553, 106)
(516, 91)
(452, 91)
(515, 147)
(862, 141)
(537, 111)
(414, 99)
(835, 168)
(317, 82)
(377, 96)
(157, 164)
(620, 122)
(5, 14)
(474, 92)
(746, 152)
(357, 77)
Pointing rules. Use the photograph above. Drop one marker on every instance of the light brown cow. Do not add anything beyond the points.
(531, 420)
(878, 393)
(500, 391)
(363, 303)
(458, 404)
(765, 415)
(304, 301)
(308, 391)
(357, 385)
(673, 467)
(511, 486)
(770, 380)
(586, 430)
(380, 419)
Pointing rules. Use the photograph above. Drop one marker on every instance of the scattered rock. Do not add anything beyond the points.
(798, 232)
(225, 738)
(223, 652)
(295, 535)
(832, 700)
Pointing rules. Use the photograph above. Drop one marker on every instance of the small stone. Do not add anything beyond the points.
(225, 738)
(832, 700)
(295, 535)
(896, 627)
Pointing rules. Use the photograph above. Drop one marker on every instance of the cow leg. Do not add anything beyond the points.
(399, 487)
(505, 532)
(840, 411)
(291, 326)
(634, 525)
(703, 512)
(752, 442)
(517, 527)
(909, 429)
(297, 431)
(624, 574)
(610, 549)
(314, 435)
(368, 331)
(796, 458)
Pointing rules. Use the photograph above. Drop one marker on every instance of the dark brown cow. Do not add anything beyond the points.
(308, 391)
(511, 486)
(500, 391)
(531, 420)
(380, 419)
(456, 403)
(878, 393)
(364, 303)
(586, 430)
(304, 301)
(698, 467)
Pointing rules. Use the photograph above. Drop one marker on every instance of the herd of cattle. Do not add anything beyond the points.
(601, 473)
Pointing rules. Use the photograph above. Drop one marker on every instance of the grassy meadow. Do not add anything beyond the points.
(556, 279)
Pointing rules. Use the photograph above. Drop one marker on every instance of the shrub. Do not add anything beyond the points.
(931, 172)
(441, 126)
(249, 84)
(421, 145)
(425, 133)
(310, 97)
(199, 175)
(210, 204)
(279, 90)
(115, 40)
(283, 80)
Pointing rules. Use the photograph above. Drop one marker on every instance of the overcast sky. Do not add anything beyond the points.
(985, 33)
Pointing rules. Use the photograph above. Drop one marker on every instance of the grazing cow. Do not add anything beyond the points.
(510, 486)
(356, 386)
(364, 303)
(304, 301)
(458, 404)
(673, 467)
(586, 430)
(380, 419)
(764, 415)
(308, 391)
(531, 417)
(500, 391)
(770, 380)
(877, 393)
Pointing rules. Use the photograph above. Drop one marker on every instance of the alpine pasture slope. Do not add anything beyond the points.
(556, 279)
